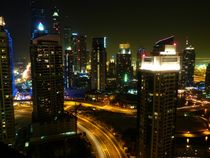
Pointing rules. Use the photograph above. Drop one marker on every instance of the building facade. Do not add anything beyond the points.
(7, 121)
(98, 64)
(124, 67)
(47, 77)
(79, 48)
(207, 79)
(158, 85)
(187, 66)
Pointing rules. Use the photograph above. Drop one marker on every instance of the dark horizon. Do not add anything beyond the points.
(140, 24)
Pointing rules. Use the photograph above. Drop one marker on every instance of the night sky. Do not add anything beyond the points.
(140, 23)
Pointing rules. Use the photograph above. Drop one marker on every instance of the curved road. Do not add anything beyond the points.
(105, 144)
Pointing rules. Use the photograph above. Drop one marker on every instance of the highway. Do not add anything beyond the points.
(69, 104)
(105, 143)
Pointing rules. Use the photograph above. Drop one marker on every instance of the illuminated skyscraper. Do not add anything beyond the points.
(68, 68)
(124, 67)
(7, 125)
(47, 77)
(98, 64)
(68, 58)
(158, 92)
(79, 49)
(207, 82)
(37, 14)
(112, 68)
(56, 21)
(187, 66)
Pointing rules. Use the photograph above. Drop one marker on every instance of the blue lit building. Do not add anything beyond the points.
(37, 14)
(7, 122)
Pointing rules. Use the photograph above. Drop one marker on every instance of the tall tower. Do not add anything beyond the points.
(112, 68)
(187, 66)
(79, 48)
(47, 77)
(56, 22)
(158, 92)
(124, 65)
(37, 14)
(68, 68)
(7, 125)
(98, 64)
(207, 81)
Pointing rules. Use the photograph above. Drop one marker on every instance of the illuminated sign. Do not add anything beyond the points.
(105, 44)
(74, 34)
(68, 48)
(161, 63)
(40, 27)
(55, 14)
(169, 50)
(2, 23)
(126, 78)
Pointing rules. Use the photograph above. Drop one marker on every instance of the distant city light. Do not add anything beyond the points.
(74, 34)
(40, 27)
(55, 14)
(68, 48)
(126, 78)
(105, 44)
(2, 22)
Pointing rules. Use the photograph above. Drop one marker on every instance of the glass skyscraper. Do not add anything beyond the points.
(98, 64)
(157, 103)
(7, 125)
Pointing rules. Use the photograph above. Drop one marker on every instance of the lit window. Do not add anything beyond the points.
(6, 96)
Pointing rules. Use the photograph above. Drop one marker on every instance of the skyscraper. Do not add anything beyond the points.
(47, 77)
(187, 66)
(207, 80)
(79, 49)
(37, 14)
(124, 65)
(112, 68)
(158, 92)
(7, 125)
(68, 68)
(98, 64)
(56, 21)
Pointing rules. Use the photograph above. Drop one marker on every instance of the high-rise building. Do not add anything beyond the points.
(79, 49)
(112, 68)
(124, 67)
(56, 21)
(187, 66)
(158, 85)
(98, 64)
(207, 80)
(47, 77)
(68, 68)
(37, 14)
(7, 125)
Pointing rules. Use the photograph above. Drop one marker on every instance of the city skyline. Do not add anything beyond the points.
(137, 24)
